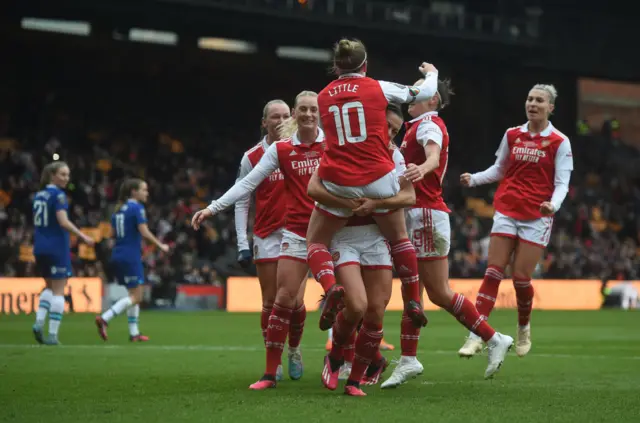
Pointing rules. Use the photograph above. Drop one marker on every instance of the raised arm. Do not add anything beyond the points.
(398, 93)
(495, 172)
(242, 207)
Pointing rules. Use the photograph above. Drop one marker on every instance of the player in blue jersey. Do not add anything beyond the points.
(51, 247)
(129, 224)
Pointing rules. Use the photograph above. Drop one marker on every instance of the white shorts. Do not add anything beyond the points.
(267, 249)
(293, 247)
(430, 233)
(385, 187)
(362, 245)
(536, 232)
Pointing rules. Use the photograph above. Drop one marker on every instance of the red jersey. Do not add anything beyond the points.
(420, 130)
(297, 163)
(530, 164)
(270, 194)
(353, 112)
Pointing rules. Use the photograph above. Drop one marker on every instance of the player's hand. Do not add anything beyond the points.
(427, 67)
(366, 208)
(164, 248)
(244, 258)
(465, 179)
(199, 217)
(547, 209)
(414, 173)
(88, 240)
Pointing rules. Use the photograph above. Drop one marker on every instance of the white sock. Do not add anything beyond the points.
(330, 332)
(474, 337)
(55, 314)
(121, 305)
(133, 313)
(44, 304)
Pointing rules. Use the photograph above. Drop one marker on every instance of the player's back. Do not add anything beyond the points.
(49, 237)
(125, 221)
(353, 114)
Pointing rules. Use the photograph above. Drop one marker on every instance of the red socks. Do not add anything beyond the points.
(298, 316)
(467, 314)
(264, 321)
(406, 264)
(350, 348)
(343, 332)
(367, 348)
(488, 292)
(277, 332)
(321, 264)
(524, 297)
(409, 336)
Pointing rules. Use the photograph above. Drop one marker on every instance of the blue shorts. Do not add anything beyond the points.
(128, 273)
(53, 266)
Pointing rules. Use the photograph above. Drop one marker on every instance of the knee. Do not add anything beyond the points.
(357, 306)
(286, 297)
(375, 313)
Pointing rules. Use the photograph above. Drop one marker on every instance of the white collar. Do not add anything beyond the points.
(52, 186)
(351, 75)
(424, 115)
(296, 141)
(545, 133)
(133, 200)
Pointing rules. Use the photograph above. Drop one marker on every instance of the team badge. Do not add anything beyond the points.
(285, 246)
(335, 256)
(545, 143)
(62, 198)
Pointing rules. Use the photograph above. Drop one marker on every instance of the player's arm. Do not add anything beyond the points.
(405, 198)
(563, 168)
(143, 228)
(64, 222)
(265, 167)
(398, 93)
(429, 136)
(318, 192)
(495, 172)
(242, 207)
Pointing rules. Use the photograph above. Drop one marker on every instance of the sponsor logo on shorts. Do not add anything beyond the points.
(285, 246)
(336, 256)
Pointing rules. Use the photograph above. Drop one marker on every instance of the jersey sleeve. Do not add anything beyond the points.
(398, 159)
(563, 168)
(61, 201)
(242, 207)
(429, 131)
(141, 215)
(398, 93)
(265, 167)
(497, 171)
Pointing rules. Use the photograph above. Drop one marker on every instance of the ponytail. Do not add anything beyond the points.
(131, 184)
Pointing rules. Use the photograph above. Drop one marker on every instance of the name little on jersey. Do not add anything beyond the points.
(343, 88)
(526, 154)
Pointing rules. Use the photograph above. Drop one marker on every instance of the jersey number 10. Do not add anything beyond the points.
(40, 213)
(120, 225)
(343, 124)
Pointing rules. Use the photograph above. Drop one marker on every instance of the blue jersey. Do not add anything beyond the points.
(49, 237)
(125, 223)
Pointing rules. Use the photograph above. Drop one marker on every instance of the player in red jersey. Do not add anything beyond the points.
(426, 150)
(269, 220)
(534, 164)
(357, 164)
(297, 157)
(363, 266)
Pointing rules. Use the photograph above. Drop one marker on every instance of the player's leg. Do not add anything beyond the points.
(501, 247)
(56, 310)
(322, 227)
(128, 275)
(346, 322)
(369, 364)
(43, 265)
(296, 329)
(265, 256)
(133, 314)
(533, 237)
(292, 269)
(394, 229)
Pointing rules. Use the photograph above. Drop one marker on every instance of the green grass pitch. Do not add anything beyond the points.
(584, 367)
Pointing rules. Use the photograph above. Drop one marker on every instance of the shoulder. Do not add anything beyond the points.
(514, 131)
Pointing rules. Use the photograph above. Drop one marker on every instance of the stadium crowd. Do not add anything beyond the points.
(596, 233)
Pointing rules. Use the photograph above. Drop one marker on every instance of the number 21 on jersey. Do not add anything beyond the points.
(343, 124)
(120, 225)
(40, 213)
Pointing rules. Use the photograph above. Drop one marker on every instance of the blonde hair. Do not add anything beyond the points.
(549, 89)
(290, 126)
(349, 56)
(49, 170)
(265, 112)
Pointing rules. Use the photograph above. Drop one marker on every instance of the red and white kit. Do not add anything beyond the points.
(532, 169)
(296, 162)
(357, 162)
(361, 242)
(270, 209)
(428, 221)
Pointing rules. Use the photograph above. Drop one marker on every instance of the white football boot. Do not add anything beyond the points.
(472, 346)
(523, 340)
(497, 347)
(407, 368)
